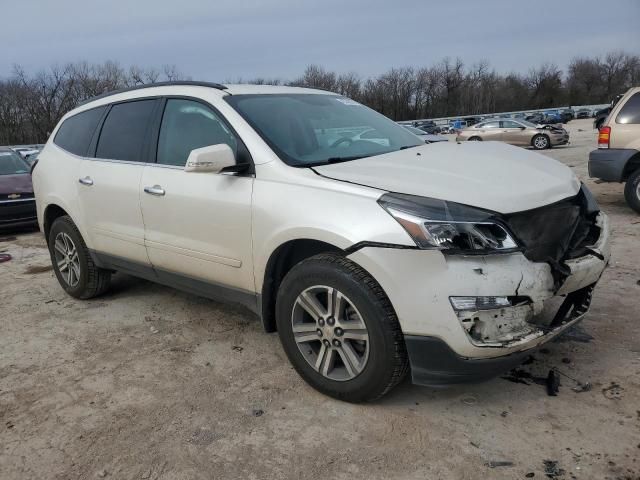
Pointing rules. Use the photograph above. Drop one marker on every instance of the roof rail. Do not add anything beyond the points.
(217, 86)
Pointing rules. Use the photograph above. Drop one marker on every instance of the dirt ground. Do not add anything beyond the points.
(150, 383)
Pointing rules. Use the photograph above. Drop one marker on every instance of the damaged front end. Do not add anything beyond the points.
(516, 322)
(565, 235)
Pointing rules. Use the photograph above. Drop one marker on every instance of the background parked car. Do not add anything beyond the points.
(516, 132)
(583, 113)
(427, 137)
(617, 158)
(17, 203)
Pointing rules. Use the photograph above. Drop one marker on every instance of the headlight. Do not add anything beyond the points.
(443, 225)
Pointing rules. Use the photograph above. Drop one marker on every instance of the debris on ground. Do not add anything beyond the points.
(566, 360)
(613, 391)
(498, 463)
(553, 383)
(522, 376)
(552, 470)
(530, 475)
(5, 257)
(153, 329)
(257, 412)
(237, 348)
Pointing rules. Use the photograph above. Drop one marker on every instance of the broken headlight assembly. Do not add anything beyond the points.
(442, 225)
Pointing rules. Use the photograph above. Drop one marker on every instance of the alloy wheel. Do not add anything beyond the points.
(67, 260)
(330, 333)
(541, 142)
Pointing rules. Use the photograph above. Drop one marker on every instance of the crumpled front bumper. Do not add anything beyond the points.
(420, 282)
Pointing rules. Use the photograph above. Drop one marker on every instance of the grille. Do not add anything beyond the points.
(6, 196)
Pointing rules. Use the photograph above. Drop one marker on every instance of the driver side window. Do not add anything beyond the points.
(187, 125)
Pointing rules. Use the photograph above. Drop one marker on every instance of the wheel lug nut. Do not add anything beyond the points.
(321, 322)
(326, 342)
(338, 331)
(336, 343)
(319, 332)
(331, 321)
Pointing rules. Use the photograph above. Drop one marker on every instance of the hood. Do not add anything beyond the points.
(19, 183)
(489, 175)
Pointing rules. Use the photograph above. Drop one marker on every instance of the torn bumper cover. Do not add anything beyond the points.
(469, 317)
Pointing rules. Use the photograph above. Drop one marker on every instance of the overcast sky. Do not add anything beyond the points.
(230, 39)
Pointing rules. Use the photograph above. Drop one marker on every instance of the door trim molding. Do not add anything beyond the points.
(213, 291)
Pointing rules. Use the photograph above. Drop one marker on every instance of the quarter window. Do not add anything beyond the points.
(74, 135)
(123, 133)
(630, 111)
(187, 125)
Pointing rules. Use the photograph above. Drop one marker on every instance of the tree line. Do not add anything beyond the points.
(31, 105)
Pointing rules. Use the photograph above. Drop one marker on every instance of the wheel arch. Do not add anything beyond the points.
(51, 213)
(280, 262)
(631, 166)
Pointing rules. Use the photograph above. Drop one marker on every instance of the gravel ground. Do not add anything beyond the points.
(147, 382)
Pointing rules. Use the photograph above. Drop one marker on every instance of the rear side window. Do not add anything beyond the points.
(489, 125)
(187, 125)
(510, 124)
(74, 135)
(630, 111)
(123, 132)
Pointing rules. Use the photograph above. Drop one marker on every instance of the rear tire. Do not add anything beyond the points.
(632, 190)
(540, 142)
(75, 270)
(475, 139)
(381, 360)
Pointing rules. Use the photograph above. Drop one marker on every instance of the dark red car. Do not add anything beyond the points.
(17, 203)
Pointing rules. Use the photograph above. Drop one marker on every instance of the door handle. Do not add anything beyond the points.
(86, 181)
(156, 190)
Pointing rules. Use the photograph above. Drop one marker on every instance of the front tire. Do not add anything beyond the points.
(632, 191)
(475, 139)
(540, 142)
(72, 263)
(339, 330)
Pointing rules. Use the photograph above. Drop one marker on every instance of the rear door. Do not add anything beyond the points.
(109, 183)
(197, 225)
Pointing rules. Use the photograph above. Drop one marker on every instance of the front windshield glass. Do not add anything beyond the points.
(316, 129)
(12, 164)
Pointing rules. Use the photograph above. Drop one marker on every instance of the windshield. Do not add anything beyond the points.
(11, 164)
(316, 129)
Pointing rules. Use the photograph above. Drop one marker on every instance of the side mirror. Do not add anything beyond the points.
(213, 158)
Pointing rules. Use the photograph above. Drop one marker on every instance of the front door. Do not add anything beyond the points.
(109, 184)
(197, 225)
(514, 133)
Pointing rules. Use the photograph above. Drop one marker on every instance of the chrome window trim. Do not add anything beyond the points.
(18, 200)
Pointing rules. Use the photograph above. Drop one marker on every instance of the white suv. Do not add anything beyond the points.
(370, 256)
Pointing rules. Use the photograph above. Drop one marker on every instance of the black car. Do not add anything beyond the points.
(583, 113)
(601, 116)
